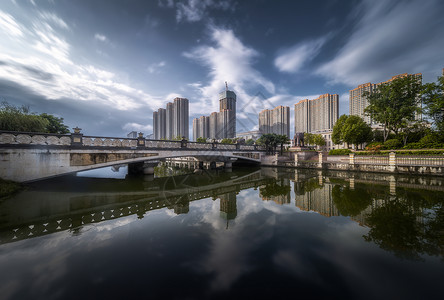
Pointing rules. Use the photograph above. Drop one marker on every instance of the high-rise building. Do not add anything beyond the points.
(318, 115)
(358, 102)
(169, 120)
(220, 124)
(172, 122)
(275, 121)
(181, 117)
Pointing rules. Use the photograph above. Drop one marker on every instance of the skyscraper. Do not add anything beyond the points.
(358, 102)
(275, 121)
(220, 124)
(318, 115)
(172, 122)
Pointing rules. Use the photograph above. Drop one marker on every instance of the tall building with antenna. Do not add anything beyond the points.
(218, 125)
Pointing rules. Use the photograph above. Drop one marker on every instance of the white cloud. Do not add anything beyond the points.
(195, 10)
(293, 59)
(155, 68)
(391, 37)
(228, 60)
(38, 58)
(9, 25)
(100, 37)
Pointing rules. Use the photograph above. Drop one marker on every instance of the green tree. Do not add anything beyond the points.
(269, 141)
(336, 135)
(227, 141)
(351, 130)
(319, 140)
(55, 125)
(308, 138)
(281, 139)
(201, 140)
(395, 103)
(14, 118)
(433, 99)
(249, 142)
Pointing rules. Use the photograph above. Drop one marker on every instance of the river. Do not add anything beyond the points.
(250, 233)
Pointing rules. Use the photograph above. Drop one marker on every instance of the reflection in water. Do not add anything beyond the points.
(253, 231)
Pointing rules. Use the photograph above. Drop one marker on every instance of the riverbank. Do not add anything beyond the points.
(391, 163)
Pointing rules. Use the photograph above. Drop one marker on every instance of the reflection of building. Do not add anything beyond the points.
(357, 102)
(228, 206)
(278, 191)
(275, 121)
(218, 125)
(318, 199)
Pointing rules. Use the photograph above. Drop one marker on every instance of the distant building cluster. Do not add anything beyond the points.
(218, 125)
(358, 102)
(275, 121)
(172, 122)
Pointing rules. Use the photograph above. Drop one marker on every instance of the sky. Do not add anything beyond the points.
(105, 66)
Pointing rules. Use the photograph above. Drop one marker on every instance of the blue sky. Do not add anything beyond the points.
(106, 65)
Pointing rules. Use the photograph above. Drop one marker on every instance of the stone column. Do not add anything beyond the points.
(77, 137)
(228, 165)
(392, 161)
(140, 141)
(296, 159)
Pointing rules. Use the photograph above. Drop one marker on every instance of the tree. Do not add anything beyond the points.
(395, 103)
(319, 140)
(249, 142)
(55, 125)
(14, 118)
(281, 139)
(351, 130)
(226, 141)
(336, 135)
(201, 140)
(309, 138)
(269, 141)
(433, 99)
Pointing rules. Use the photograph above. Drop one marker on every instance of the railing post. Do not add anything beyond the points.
(392, 161)
(351, 159)
(140, 141)
(77, 137)
(183, 142)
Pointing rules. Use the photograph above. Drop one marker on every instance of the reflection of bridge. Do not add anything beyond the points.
(34, 214)
(33, 156)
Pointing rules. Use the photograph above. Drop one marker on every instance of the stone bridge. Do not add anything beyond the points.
(33, 156)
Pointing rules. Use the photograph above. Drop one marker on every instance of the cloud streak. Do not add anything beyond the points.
(292, 60)
(390, 36)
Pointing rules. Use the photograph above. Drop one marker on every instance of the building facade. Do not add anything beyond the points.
(218, 125)
(275, 121)
(317, 115)
(172, 122)
(358, 102)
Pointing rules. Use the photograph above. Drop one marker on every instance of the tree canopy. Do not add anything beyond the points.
(394, 103)
(351, 130)
(433, 99)
(14, 118)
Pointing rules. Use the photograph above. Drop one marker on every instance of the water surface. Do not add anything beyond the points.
(265, 233)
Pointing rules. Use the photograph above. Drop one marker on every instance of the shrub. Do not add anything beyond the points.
(392, 144)
(339, 152)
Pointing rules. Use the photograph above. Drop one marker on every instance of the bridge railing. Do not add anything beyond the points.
(79, 140)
